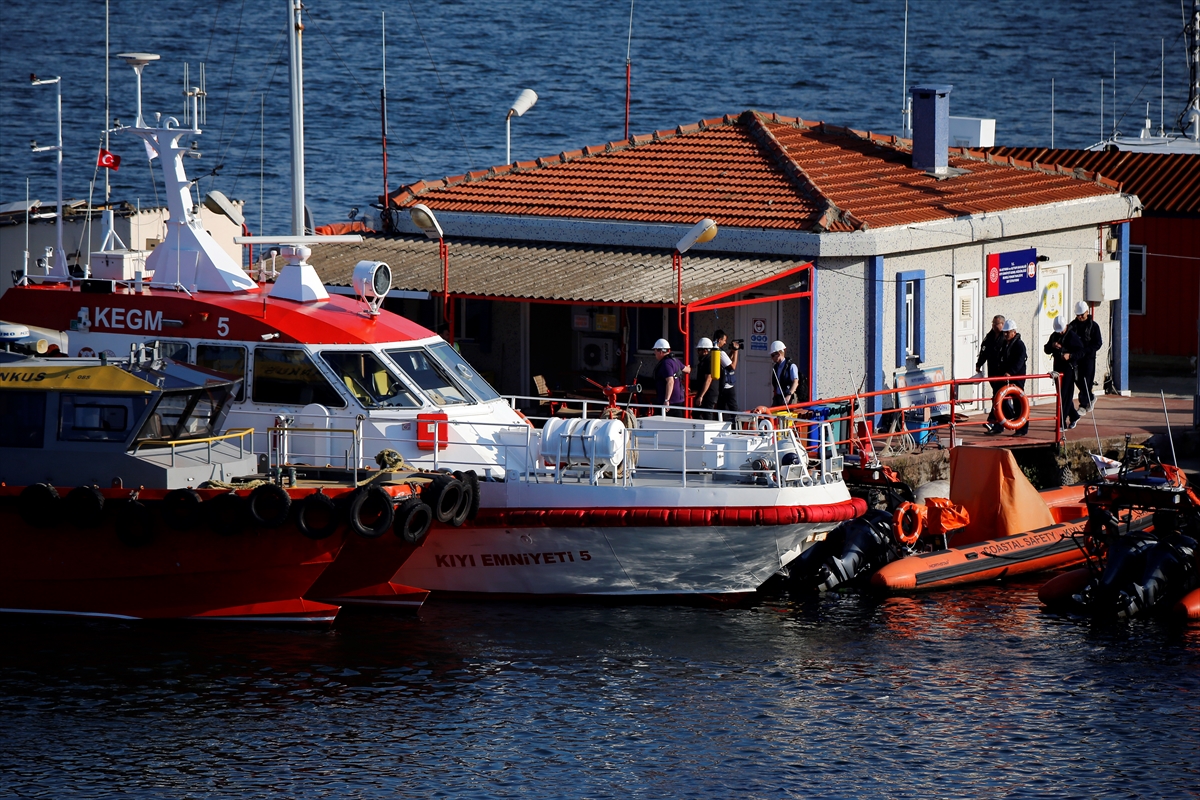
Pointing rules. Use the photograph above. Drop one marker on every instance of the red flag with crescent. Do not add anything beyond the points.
(108, 160)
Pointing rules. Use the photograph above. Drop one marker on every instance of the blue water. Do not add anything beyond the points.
(453, 73)
(971, 693)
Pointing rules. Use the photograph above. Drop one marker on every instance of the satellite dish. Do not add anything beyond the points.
(218, 203)
(10, 332)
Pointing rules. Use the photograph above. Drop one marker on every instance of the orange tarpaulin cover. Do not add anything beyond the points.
(946, 516)
(1000, 500)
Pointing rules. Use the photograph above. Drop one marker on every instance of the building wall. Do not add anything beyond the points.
(842, 317)
(1165, 336)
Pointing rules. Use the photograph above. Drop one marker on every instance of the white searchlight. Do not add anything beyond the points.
(372, 280)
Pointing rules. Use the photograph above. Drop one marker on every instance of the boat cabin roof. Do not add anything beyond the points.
(19, 373)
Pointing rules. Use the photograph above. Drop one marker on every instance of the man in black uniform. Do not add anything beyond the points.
(1085, 370)
(1014, 361)
(727, 399)
(1066, 348)
(991, 354)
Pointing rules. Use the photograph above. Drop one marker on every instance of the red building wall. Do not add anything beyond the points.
(1168, 328)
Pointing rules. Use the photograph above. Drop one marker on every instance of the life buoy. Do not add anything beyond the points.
(134, 524)
(1020, 403)
(39, 505)
(84, 506)
(227, 513)
(317, 517)
(907, 523)
(443, 495)
(180, 509)
(269, 505)
(371, 512)
(413, 519)
(522, 416)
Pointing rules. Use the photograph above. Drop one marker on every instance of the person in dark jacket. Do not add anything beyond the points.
(1014, 361)
(1085, 369)
(1066, 349)
(670, 379)
(991, 355)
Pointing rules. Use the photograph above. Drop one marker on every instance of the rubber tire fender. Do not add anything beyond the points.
(180, 509)
(443, 495)
(227, 513)
(470, 499)
(134, 524)
(316, 504)
(473, 484)
(39, 505)
(84, 506)
(373, 496)
(269, 505)
(1020, 402)
(413, 519)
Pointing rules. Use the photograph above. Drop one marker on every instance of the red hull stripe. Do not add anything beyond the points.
(658, 517)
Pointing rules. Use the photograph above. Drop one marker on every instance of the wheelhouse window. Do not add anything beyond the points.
(464, 372)
(365, 377)
(98, 418)
(283, 376)
(177, 351)
(427, 373)
(192, 414)
(227, 359)
(24, 416)
(1137, 279)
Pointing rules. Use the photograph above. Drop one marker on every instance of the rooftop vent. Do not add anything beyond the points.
(931, 128)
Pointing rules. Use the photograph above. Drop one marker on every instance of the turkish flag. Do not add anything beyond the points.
(108, 160)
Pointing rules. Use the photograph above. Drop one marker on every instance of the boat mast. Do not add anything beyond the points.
(1191, 114)
(296, 74)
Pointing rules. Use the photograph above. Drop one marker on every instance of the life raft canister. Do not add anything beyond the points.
(1020, 403)
(908, 522)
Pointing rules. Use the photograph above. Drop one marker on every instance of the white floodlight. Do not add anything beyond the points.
(703, 231)
(523, 103)
(372, 281)
(422, 216)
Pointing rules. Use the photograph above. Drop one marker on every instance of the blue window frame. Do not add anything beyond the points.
(910, 315)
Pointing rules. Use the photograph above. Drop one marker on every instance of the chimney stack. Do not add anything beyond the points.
(931, 128)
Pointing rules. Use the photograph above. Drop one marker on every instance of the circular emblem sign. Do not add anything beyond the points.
(760, 326)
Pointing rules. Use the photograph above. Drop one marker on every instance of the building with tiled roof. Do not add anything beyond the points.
(901, 255)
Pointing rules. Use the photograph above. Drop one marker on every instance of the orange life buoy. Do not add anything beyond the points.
(908, 521)
(522, 416)
(1020, 403)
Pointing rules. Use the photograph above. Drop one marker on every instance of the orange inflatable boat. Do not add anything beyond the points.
(1013, 528)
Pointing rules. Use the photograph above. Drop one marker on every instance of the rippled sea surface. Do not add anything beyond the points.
(965, 693)
(454, 66)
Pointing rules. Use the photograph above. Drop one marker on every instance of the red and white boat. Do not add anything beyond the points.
(671, 507)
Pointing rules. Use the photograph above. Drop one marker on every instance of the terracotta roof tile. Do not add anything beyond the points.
(758, 171)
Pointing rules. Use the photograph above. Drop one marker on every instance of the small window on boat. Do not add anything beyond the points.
(176, 351)
(24, 415)
(225, 358)
(365, 377)
(289, 377)
(98, 418)
(464, 372)
(433, 378)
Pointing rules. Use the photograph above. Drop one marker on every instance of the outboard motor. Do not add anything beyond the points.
(856, 548)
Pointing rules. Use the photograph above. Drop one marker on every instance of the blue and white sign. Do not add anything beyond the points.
(1012, 273)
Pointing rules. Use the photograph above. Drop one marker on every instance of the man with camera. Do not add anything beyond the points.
(727, 394)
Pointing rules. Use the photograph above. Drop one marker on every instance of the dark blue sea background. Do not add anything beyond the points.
(965, 693)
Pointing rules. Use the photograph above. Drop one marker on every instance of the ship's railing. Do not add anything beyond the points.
(282, 439)
(237, 433)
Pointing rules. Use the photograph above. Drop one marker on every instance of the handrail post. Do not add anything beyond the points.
(1058, 431)
(953, 410)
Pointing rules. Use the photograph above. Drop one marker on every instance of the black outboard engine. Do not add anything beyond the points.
(854, 549)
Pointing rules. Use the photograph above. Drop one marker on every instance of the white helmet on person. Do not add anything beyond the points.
(777, 347)
(1058, 324)
(1010, 325)
(662, 344)
(704, 344)
(1081, 308)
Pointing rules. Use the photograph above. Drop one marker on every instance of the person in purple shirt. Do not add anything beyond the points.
(669, 378)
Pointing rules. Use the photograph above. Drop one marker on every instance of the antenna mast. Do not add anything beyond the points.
(383, 104)
(628, 69)
(296, 74)
(905, 100)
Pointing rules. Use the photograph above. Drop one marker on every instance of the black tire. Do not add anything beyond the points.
(39, 505)
(317, 517)
(371, 513)
(413, 519)
(227, 514)
(443, 495)
(84, 507)
(464, 504)
(134, 524)
(181, 508)
(473, 484)
(269, 505)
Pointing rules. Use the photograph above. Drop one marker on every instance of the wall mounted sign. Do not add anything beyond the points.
(1012, 273)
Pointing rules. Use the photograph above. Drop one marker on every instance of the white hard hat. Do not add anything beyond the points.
(1009, 325)
(704, 344)
(776, 346)
(1058, 324)
(1081, 308)
(662, 344)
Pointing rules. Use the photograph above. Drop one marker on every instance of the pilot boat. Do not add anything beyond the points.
(668, 507)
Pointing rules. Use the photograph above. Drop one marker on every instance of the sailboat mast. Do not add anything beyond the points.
(296, 75)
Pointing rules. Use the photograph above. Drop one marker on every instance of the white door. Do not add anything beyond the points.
(1054, 298)
(967, 333)
(757, 326)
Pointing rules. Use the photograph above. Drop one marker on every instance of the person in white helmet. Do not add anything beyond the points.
(1066, 348)
(727, 395)
(1085, 369)
(669, 378)
(704, 387)
(1015, 361)
(785, 376)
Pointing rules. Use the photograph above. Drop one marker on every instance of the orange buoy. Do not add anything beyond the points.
(909, 520)
(1020, 402)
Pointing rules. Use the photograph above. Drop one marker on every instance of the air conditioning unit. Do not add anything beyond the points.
(1102, 281)
(596, 353)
